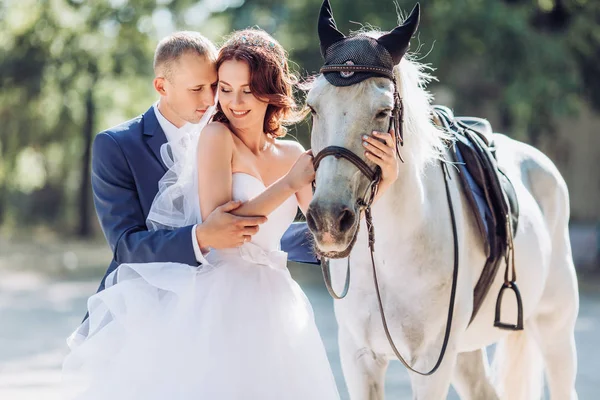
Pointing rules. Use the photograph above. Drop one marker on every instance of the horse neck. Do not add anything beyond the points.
(413, 203)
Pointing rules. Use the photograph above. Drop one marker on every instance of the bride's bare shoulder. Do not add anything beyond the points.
(216, 138)
(216, 128)
(290, 148)
(216, 132)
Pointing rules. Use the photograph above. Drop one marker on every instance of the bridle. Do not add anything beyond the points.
(396, 122)
(364, 204)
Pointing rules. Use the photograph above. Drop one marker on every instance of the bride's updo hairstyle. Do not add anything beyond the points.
(271, 80)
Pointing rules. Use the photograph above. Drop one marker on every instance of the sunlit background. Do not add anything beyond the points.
(69, 69)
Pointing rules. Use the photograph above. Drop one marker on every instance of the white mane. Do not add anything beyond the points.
(419, 128)
(423, 139)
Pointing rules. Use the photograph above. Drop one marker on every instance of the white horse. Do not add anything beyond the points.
(414, 256)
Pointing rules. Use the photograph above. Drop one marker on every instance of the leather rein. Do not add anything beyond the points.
(364, 204)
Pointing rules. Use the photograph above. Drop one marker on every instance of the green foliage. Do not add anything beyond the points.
(522, 63)
(518, 58)
(54, 55)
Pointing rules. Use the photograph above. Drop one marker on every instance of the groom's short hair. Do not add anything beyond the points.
(172, 47)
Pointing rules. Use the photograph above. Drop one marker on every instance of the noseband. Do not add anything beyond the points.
(374, 175)
(364, 204)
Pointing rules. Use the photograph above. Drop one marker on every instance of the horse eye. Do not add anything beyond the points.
(312, 110)
(384, 114)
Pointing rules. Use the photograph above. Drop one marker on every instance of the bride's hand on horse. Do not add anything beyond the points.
(381, 149)
(302, 172)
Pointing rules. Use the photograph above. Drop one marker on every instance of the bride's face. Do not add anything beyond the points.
(237, 101)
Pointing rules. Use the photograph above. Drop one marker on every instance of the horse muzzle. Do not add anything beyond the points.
(334, 227)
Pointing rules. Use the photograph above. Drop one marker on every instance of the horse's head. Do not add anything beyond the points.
(355, 95)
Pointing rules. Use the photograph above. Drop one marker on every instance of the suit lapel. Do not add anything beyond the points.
(154, 135)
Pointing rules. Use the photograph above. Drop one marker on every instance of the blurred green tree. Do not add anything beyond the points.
(65, 65)
(70, 68)
(533, 61)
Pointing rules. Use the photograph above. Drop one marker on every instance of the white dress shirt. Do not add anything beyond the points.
(172, 132)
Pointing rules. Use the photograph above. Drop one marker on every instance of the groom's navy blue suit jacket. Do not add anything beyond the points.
(126, 168)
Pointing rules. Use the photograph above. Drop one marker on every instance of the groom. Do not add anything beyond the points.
(127, 165)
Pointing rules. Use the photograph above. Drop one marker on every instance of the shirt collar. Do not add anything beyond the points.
(168, 128)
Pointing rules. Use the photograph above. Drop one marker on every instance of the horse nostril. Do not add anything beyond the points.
(333, 220)
(310, 221)
(346, 219)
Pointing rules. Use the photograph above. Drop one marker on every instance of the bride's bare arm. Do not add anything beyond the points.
(304, 197)
(214, 176)
(298, 176)
(304, 194)
(215, 152)
(219, 229)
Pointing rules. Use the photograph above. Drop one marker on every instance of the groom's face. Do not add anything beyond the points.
(189, 89)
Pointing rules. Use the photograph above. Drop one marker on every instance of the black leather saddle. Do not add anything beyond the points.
(489, 191)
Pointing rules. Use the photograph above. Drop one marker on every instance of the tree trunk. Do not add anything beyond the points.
(2, 203)
(84, 229)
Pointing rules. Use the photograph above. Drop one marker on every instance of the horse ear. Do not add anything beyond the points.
(396, 42)
(328, 32)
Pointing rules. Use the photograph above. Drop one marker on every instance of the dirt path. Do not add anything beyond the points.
(37, 313)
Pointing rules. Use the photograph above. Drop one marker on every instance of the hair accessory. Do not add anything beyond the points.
(252, 40)
(255, 40)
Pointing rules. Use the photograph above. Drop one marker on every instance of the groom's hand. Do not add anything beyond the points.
(223, 230)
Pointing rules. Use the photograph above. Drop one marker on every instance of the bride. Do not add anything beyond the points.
(238, 326)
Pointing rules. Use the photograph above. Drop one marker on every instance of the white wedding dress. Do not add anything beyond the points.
(237, 328)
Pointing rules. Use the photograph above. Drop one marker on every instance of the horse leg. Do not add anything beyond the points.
(547, 339)
(555, 316)
(364, 371)
(555, 326)
(471, 376)
(436, 386)
(557, 343)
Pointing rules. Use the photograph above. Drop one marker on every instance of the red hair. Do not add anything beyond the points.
(270, 78)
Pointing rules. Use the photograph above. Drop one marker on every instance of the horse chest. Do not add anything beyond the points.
(412, 312)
